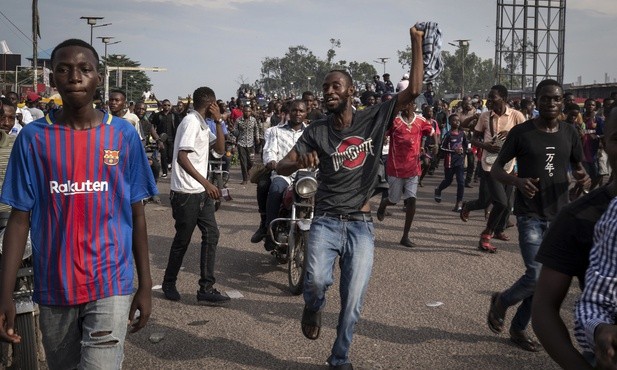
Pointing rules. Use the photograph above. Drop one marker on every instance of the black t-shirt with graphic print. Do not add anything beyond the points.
(348, 159)
(546, 156)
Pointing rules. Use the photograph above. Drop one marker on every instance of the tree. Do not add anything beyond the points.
(479, 74)
(133, 82)
(299, 70)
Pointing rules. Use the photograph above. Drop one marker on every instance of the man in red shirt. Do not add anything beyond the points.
(403, 166)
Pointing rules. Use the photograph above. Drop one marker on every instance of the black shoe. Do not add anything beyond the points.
(437, 195)
(171, 292)
(269, 245)
(468, 185)
(259, 235)
(212, 296)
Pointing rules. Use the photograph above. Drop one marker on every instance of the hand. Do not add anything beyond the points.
(582, 179)
(7, 322)
(458, 150)
(214, 111)
(605, 337)
(160, 145)
(309, 160)
(434, 150)
(271, 165)
(502, 135)
(142, 301)
(212, 191)
(414, 32)
(527, 186)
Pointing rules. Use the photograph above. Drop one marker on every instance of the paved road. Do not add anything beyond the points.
(398, 330)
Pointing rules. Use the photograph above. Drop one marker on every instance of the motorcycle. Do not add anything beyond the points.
(25, 354)
(289, 231)
(218, 177)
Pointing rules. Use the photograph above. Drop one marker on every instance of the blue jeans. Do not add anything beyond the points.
(72, 334)
(530, 233)
(275, 198)
(189, 211)
(353, 242)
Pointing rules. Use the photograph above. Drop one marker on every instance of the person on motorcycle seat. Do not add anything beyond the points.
(278, 142)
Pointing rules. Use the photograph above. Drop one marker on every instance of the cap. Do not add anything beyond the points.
(32, 96)
(406, 76)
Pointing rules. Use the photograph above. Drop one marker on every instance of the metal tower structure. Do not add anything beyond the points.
(529, 42)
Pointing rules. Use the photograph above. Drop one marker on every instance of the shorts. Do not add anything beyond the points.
(405, 188)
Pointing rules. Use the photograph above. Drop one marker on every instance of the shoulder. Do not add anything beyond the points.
(519, 117)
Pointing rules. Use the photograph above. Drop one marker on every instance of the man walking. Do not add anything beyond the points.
(192, 196)
(166, 122)
(543, 147)
(346, 146)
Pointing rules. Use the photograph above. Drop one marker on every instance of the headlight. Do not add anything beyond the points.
(306, 187)
(27, 250)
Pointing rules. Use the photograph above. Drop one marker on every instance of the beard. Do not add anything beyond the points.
(340, 108)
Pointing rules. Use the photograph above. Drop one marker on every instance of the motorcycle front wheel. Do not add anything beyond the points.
(25, 353)
(296, 268)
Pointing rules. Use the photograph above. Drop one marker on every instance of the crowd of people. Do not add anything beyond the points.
(544, 160)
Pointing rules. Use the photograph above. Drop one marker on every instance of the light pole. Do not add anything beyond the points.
(308, 83)
(107, 41)
(464, 45)
(382, 60)
(292, 88)
(92, 22)
(127, 87)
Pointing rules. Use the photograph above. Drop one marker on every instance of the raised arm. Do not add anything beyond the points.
(416, 75)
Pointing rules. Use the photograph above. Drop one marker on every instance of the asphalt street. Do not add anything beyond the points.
(425, 307)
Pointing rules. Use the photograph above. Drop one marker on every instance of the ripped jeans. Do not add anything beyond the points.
(86, 336)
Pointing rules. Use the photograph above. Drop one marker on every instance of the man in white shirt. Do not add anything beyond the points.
(192, 195)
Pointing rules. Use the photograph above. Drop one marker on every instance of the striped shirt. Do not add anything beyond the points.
(79, 187)
(598, 303)
(279, 141)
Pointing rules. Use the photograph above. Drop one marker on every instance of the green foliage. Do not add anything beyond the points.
(300, 70)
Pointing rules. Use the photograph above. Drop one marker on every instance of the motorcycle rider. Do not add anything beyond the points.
(148, 135)
(279, 141)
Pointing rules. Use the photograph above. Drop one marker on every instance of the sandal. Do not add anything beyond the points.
(502, 236)
(464, 212)
(485, 244)
(311, 323)
(494, 318)
(521, 339)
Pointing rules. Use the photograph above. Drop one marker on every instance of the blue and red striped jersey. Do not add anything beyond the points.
(79, 186)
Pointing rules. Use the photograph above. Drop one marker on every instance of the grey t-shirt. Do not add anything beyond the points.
(349, 158)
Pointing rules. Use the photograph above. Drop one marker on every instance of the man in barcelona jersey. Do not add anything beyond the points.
(76, 178)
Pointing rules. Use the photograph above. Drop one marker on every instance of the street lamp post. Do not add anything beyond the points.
(92, 22)
(127, 87)
(383, 60)
(464, 45)
(308, 83)
(107, 41)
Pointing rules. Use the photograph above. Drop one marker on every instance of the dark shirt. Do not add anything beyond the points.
(545, 156)
(165, 124)
(348, 159)
(566, 245)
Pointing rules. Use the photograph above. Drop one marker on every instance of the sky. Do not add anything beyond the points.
(221, 43)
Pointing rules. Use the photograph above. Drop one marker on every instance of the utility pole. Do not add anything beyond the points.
(107, 41)
(382, 60)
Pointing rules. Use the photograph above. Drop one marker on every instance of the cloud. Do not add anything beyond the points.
(211, 4)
